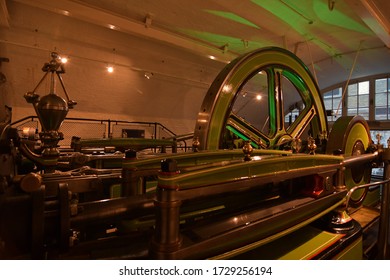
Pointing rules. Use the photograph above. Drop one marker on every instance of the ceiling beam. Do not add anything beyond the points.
(4, 16)
(373, 16)
(105, 18)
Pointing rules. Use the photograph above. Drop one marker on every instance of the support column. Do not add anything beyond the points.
(167, 237)
(384, 222)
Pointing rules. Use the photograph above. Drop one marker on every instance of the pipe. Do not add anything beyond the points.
(106, 210)
(352, 190)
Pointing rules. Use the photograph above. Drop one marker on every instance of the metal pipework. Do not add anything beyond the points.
(352, 190)
(113, 209)
(384, 231)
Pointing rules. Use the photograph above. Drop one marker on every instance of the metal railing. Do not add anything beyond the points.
(87, 128)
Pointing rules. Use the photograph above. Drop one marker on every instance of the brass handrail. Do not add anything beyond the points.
(350, 192)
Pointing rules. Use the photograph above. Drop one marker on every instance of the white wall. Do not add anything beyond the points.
(172, 96)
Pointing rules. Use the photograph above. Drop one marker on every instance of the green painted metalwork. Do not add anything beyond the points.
(197, 158)
(350, 135)
(242, 136)
(303, 244)
(275, 166)
(218, 102)
(275, 237)
(272, 106)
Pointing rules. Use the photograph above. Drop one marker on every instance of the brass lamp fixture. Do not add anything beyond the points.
(51, 110)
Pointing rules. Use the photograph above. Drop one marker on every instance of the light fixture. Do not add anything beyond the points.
(148, 75)
(211, 57)
(111, 26)
(225, 48)
(258, 97)
(110, 69)
(64, 59)
(110, 66)
(245, 42)
(65, 12)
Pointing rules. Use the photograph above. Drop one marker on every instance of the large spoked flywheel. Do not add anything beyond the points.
(267, 96)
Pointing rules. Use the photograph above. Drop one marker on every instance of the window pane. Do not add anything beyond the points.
(380, 99)
(337, 92)
(363, 112)
(351, 112)
(328, 104)
(352, 89)
(352, 101)
(364, 87)
(332, 102)
(291, 116)
(381, 113)
(381, 85)
(336, 102)
(328, 95)
(363, 100)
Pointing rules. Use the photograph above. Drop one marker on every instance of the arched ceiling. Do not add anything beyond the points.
(173, 42)
(326, 34)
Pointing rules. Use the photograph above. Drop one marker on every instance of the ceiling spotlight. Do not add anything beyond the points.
(110, 69)
(148, 75)
(211, 57)
(65, 12)
(64, 59)
(258, 97)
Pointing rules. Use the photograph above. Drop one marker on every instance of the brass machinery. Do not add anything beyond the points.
(214, 202)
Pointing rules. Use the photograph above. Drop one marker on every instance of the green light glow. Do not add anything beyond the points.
(303, 18)
(337, 18)
(286, 14)
(233, 17)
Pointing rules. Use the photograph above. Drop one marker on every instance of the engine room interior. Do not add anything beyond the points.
(127, 135)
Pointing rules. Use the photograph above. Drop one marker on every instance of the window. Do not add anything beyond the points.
(382, 101)
(368, 97)
(358, 99)
(332, 104)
